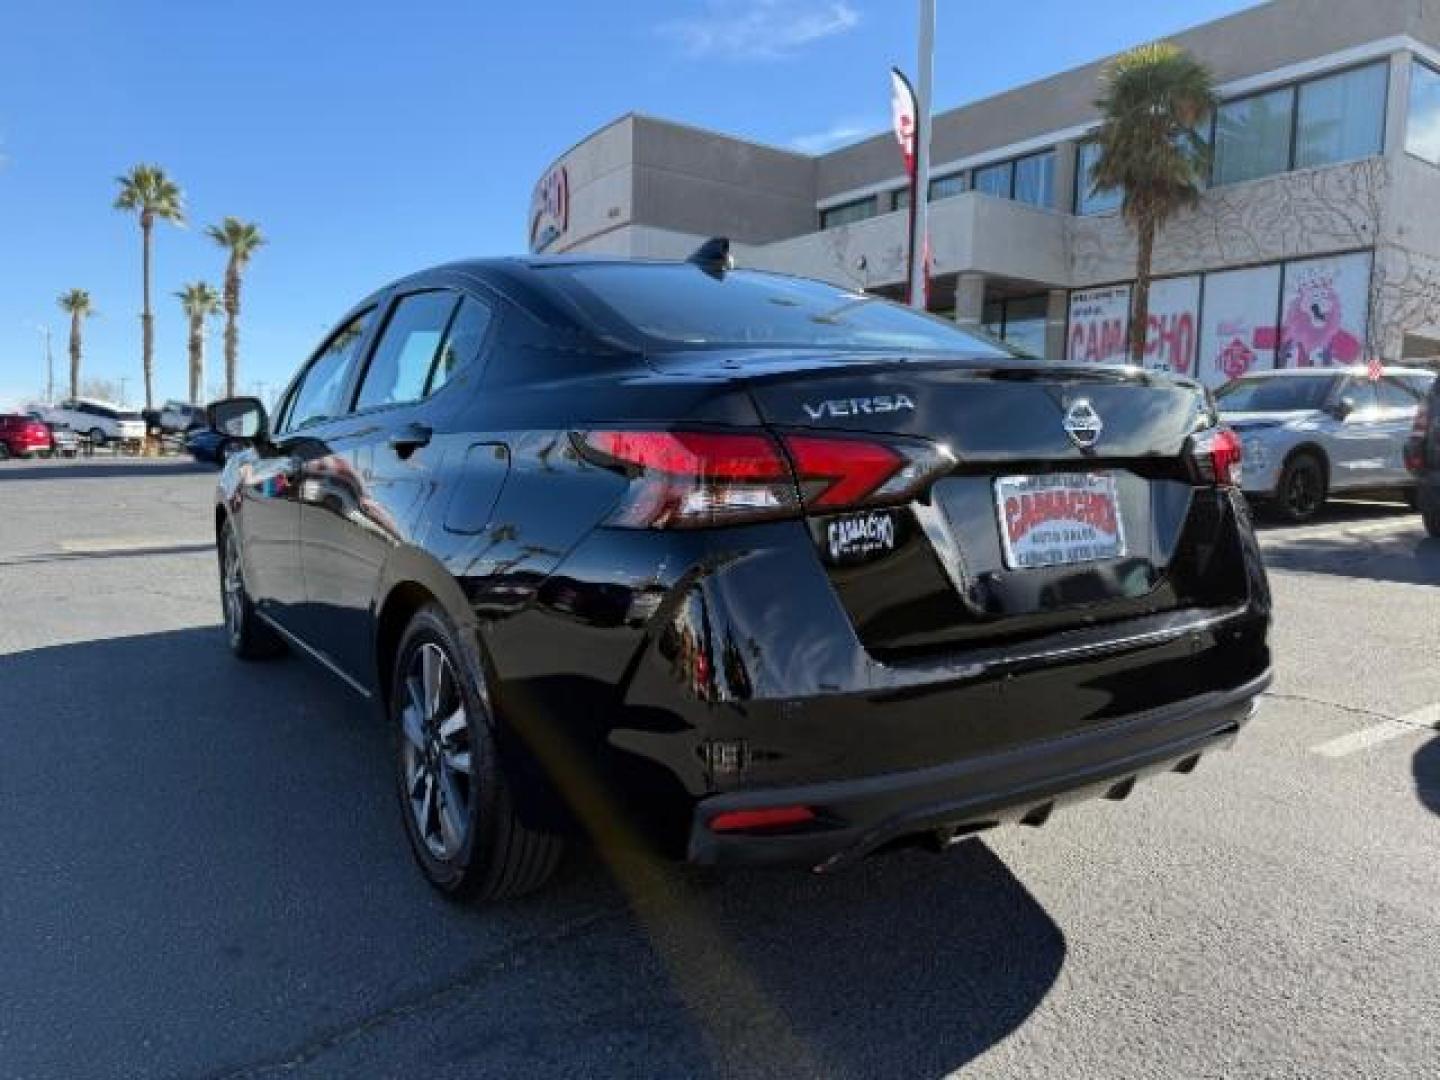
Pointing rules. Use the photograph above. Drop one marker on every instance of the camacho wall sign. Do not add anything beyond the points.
(1099, 319)
(1174, 325)
(550, 209)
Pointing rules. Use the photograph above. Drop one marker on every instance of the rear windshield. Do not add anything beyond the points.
(686, 306)
(1275, 395)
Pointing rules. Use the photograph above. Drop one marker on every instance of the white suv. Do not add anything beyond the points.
(101, 420)
(180, 416)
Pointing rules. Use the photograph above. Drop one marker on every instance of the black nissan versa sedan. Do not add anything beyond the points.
(736, 566)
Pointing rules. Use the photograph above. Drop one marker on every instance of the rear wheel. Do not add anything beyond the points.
(1430, 511)
(250, 638)
(4, 451)
(456, 799)
(1301, 493)
(97, 437)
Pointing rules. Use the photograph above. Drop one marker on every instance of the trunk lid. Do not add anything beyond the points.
(974, 558)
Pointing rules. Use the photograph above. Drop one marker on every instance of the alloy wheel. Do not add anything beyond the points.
(436, 752)
(233, 585)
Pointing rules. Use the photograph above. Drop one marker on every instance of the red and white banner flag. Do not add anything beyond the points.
(902, 109)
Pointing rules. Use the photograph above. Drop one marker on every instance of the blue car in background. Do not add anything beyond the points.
(216, 447)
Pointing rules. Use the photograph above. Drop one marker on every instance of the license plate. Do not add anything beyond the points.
(1061, 519)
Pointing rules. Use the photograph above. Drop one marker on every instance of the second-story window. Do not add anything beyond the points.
(1422, 134)
(1087, 199)
(849, 213)
(943, 187)
(1035, 179)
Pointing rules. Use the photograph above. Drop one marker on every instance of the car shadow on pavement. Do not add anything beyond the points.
(1427, 775)
(101, 470)
(206, 871)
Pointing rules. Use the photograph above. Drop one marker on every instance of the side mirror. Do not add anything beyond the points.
(1344, 407)
(242, 417)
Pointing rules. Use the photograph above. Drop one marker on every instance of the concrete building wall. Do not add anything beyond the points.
(694, 181)
(601, 177)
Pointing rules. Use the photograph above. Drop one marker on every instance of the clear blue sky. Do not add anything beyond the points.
(370, 139)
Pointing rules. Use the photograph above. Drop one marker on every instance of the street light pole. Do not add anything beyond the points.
(44, 332)
(921, 198)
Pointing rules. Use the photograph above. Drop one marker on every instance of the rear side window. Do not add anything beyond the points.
(317, 397)
(683, 305)
(462, 343)
(1394, 395)
(401, 361)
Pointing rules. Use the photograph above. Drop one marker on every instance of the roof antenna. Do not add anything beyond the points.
(714, 257)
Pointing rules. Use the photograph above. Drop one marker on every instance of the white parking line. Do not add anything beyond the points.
(1421, 720)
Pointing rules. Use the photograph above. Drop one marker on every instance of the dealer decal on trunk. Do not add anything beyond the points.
(859, 537)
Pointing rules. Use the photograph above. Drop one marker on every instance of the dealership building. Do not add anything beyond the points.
(1317, 240)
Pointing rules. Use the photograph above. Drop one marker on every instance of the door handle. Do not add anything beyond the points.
(410, 438)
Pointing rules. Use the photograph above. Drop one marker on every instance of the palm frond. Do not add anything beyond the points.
(146, 189)
(76, 302)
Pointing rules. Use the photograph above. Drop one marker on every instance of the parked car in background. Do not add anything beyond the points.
(1309, 433)
(102, 421)
(23, 436)
(1422, 458)
(178, 417)
(751, 567)
(216, 447)
(63, 441)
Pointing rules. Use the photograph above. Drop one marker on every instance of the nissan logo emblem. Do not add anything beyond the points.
(1083, 424)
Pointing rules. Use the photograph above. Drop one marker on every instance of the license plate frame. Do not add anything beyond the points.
(1091, 498)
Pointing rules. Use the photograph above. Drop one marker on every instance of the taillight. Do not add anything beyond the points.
(766, 820)
(1219, 457)
(690, 479)
(1415, 444)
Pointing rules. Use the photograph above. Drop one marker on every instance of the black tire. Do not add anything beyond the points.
(498, 855)
(1300, 495)
(1430, 512)
(4, 452)
(249, 637)
(97, 437)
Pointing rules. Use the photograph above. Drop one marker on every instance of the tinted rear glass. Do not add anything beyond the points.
(1274, 395)
(685, 306)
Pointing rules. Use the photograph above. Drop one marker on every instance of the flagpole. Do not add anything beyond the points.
(919, 202)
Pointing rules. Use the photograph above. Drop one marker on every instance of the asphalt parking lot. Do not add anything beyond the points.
(203, 874)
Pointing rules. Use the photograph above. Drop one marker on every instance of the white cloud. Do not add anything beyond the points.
(759, 29)
(838, 134)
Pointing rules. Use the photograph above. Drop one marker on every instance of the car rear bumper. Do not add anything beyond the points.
(940, 803)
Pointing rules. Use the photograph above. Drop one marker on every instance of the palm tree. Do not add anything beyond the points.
(200, 301)
(76, 304)
(147, 191)
(1154, 100)
(241, 239)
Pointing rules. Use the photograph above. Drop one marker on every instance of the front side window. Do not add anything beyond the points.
(1035, 180)
(318, 395)
(849, 213)
(1422, 135)
(1252, 136)
(1341, 117)
(401, 361)
(995, 179)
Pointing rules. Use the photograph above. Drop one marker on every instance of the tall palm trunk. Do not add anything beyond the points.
(197, 357)
(75, 348)
(1144, 271)
(147, 317)
(232, 325)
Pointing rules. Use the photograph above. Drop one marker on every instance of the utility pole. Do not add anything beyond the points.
(921, 199)
(49, 367)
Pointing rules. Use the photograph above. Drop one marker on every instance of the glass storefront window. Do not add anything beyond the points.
(1341, 117)
(1422, 136)
(849, 213)
(995, 179)
(1252, 136)
(1020, 322)
(943, 187)
(1035, 179)
(1087, 200)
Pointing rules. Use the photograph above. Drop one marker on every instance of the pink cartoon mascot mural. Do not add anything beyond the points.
(1314, 334)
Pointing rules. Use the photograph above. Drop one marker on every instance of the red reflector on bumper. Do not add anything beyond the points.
(775, 818)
